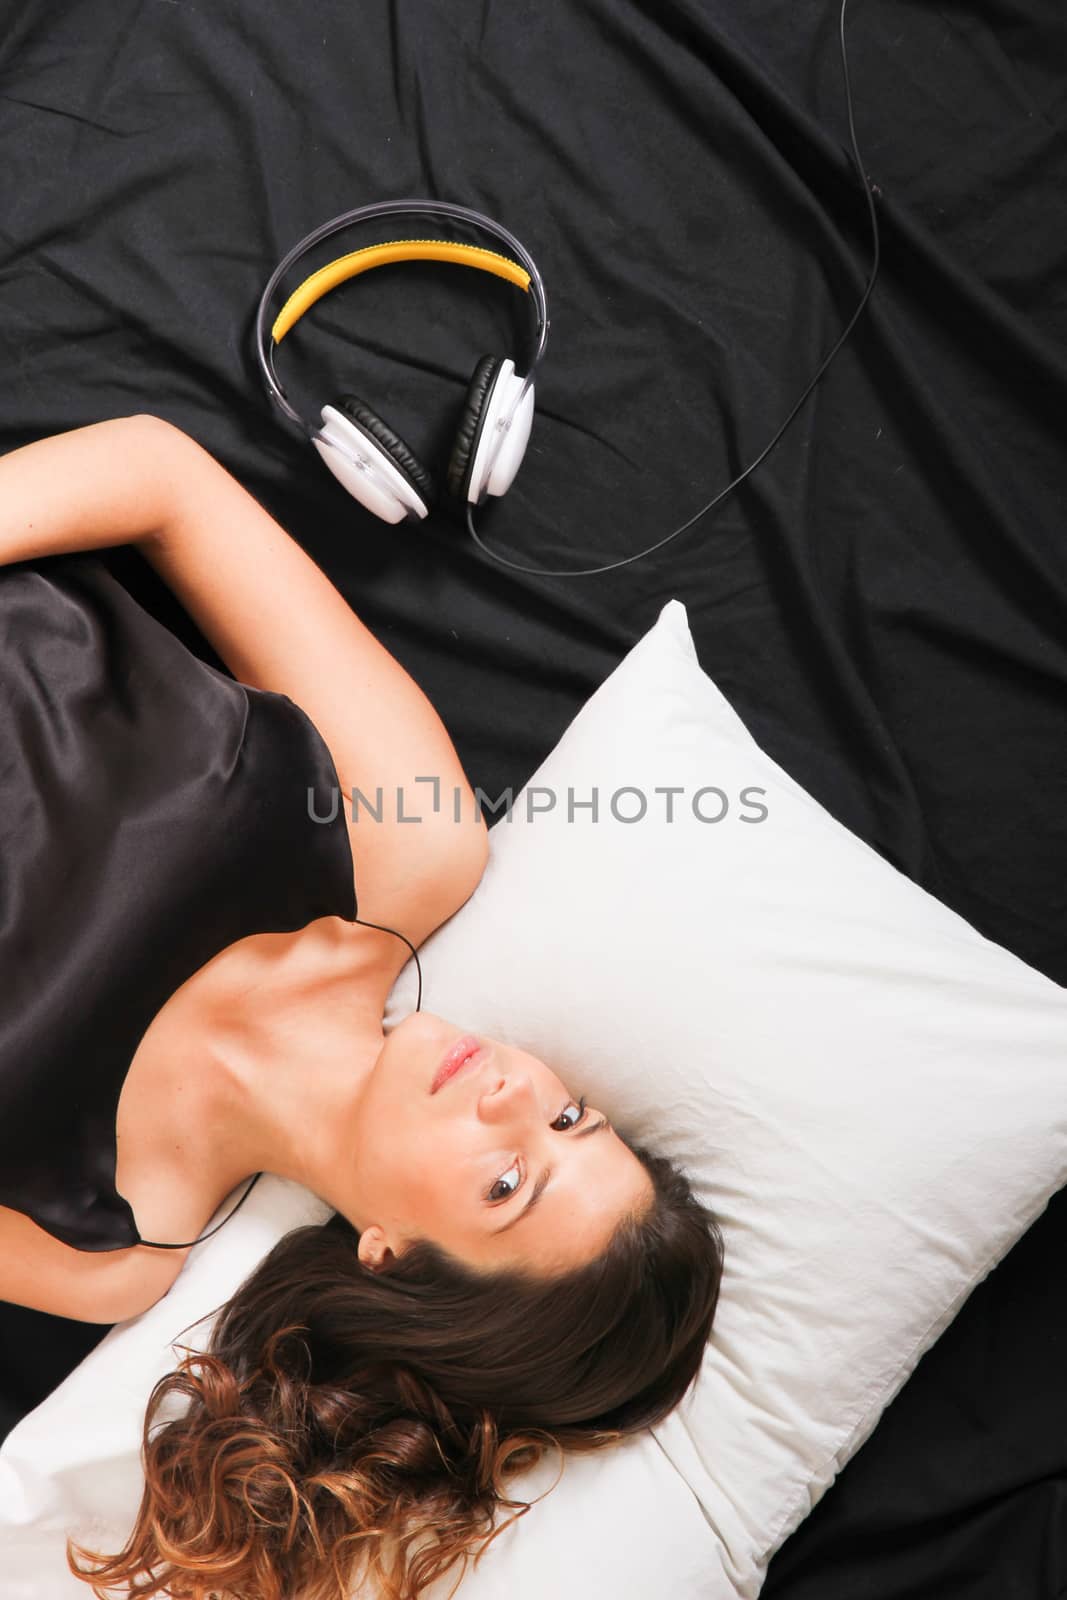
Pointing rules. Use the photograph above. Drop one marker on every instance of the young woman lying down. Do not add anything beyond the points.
(194, 1002)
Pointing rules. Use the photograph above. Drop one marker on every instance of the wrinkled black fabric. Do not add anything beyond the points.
(152, 812)
(883, 600)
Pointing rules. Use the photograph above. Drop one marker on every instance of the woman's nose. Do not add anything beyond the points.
(506, 1096)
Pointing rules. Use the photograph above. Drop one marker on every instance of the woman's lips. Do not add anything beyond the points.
(457, 1056)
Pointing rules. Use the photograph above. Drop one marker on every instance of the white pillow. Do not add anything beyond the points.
(871, 1096)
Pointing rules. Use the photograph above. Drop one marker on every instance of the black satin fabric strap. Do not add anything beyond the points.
(152, 812)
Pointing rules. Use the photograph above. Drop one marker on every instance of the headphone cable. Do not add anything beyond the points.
(583, 572)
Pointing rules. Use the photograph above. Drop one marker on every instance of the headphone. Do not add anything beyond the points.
(368, 456)
(373, 461)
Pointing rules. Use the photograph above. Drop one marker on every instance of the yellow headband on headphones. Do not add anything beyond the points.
(380, 255)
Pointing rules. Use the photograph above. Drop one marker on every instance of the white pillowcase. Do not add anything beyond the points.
(870, 1095)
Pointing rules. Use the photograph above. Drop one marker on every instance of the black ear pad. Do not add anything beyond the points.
(470, 425)
(393, 445)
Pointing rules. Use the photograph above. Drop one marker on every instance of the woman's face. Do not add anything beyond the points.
(497, 1162)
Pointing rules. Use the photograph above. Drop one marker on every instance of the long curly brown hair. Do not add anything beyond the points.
(348, 1426)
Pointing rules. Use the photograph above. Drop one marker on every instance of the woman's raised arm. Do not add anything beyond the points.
(278, 622)
(82, 490)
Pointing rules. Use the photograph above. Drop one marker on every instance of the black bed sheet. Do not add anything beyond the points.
(884, 600)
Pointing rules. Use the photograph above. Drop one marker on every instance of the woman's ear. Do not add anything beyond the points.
(374, 1250)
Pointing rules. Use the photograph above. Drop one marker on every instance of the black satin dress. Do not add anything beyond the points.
(152, 812)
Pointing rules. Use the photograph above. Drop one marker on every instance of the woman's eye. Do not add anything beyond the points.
(506, 1184)
(577, 1107)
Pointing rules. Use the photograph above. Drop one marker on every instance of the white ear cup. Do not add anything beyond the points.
(503, 435)
(366, 470)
